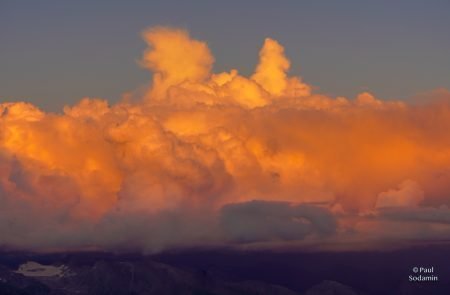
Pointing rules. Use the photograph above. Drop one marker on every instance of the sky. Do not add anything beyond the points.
(52, 53)
(155, 133)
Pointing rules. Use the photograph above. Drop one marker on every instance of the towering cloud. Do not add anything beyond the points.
(271, 72)
(206, 158)
(175, 58)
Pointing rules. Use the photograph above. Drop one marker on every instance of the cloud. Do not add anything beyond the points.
(266, 221)
(201, 158)
(271, 72)
(175, 58)
(408, 194)
(424, 214)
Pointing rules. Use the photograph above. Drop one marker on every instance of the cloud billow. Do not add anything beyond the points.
(199, 158)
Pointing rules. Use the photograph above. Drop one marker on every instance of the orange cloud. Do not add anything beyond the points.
(182, 165)
(175, 58)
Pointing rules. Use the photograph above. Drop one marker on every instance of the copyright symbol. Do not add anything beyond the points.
(415, 269)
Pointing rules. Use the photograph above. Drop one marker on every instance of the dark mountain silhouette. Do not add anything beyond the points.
(208, 272)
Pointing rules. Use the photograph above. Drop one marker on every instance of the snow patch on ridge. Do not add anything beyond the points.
(34, 269)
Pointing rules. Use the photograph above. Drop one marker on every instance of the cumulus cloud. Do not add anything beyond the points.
(408, 194)
(271, 72)
(175, 58)
(203, 158)
(266, 221)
